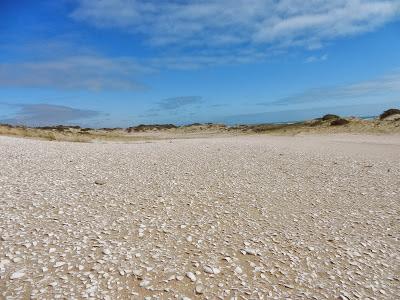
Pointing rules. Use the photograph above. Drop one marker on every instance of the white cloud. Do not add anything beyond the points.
(244, 23)
(47, 114)
(177, 102)
(209, 58)
(314, 58)
(377, 87)
(74, 72)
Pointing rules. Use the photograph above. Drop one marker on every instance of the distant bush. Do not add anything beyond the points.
(109, 129)
(144, 127)
(339, 122)
(315, 123)
(193, 124)
(389, 112)
(329, 117)
(59, 128)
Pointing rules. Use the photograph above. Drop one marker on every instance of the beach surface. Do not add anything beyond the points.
(238, 217)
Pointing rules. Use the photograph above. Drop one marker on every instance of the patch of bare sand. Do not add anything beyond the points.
(250, 217)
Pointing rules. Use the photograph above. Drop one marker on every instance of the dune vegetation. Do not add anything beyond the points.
(387, 123)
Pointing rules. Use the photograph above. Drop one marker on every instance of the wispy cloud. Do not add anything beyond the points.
(244, 23)
(47, 114)
(192, 34)
(293, 115)
(53, 66)
(380, 86)
(149, 115)
(74, 72)
(316, 58)
(218, 105)
(211, 57)
(177, 102)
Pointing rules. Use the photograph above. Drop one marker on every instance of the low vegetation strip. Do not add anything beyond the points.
(387, 122)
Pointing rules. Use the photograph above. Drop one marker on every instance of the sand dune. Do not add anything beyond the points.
(387, 123)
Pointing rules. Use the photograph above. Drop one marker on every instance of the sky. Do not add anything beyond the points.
(119, 63)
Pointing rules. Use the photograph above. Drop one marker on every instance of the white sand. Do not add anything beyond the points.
(247, 217)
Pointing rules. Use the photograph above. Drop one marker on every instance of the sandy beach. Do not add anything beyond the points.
(239, 217)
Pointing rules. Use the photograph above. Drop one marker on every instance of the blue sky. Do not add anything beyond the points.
(124, 62)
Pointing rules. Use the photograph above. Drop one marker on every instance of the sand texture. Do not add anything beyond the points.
(241, 217)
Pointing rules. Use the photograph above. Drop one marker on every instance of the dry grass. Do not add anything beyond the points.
(27, 132)
(318, 126)
(68, 136)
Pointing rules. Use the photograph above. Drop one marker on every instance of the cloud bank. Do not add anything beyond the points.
(178, 102)
(193, 34)
(48, 114)
(363, 110)
(380, 86)
(244, 23)
(73, 72)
